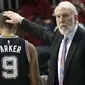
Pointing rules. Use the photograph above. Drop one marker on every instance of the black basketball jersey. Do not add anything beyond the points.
(14, 65)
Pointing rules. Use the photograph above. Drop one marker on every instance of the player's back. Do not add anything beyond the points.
(14, 65)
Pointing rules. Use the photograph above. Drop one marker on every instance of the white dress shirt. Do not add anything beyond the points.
(70, 38)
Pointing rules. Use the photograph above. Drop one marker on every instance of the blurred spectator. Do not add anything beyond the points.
(40, 8)
(38, 11)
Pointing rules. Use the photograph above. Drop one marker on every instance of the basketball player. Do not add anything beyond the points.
(18, 58)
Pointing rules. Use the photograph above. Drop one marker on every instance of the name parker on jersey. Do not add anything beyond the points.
(10, 48)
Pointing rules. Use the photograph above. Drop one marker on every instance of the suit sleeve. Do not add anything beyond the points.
(37, 30)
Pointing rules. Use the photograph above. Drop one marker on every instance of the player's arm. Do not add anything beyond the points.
(34, 67)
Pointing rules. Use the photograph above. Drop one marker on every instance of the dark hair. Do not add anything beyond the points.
(4, 24)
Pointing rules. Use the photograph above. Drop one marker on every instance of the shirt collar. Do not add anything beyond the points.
(72, 33)
(1, 36)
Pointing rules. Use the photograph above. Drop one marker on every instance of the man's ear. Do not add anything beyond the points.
(76, 17)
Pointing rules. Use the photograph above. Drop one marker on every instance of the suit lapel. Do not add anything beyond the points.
(72, 50)
(54, 58)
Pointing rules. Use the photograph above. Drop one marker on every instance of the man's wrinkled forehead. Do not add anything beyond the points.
(61, 9)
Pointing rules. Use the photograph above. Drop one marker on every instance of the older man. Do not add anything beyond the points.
(67, 55)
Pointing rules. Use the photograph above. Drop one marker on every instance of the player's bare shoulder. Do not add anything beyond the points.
(32, 49)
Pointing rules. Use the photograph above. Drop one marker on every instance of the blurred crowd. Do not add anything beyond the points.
(41, 12)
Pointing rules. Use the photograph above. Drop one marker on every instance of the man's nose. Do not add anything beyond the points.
(61, 19)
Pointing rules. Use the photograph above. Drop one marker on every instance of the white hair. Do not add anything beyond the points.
(66, 4)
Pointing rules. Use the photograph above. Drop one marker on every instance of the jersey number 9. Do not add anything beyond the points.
(10, 67)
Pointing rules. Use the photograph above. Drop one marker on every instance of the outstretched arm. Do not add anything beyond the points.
(34, 67)
(36, 30)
